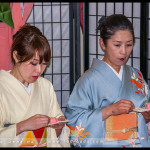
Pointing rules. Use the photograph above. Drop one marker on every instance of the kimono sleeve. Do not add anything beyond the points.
(146, 88)
(85, 121)
(7, 134)
(55, 111)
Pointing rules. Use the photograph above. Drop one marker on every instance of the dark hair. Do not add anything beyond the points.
(109, 25)
(27, 42)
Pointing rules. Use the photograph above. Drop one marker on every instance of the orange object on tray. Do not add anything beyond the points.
(121, 127)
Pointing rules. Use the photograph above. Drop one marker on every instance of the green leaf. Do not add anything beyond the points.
(74, 132)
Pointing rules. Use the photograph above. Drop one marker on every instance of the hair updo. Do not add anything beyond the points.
(110, 25)
(29, 40)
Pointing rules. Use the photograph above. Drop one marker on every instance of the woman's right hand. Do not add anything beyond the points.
(120, 107)
(33, 123)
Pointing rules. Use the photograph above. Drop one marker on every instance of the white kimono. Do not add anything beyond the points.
(17, 105)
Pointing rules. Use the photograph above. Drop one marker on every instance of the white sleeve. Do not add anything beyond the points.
(55, 111)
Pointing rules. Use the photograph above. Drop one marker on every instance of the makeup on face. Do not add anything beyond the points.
(122, 59)
(35, 77)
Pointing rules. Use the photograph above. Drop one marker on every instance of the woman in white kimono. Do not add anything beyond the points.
(110, 90)
(27, 100)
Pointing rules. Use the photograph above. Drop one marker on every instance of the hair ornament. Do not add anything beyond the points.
(100, 22)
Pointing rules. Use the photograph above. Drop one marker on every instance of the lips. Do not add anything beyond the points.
(122, 59)
(35, 77)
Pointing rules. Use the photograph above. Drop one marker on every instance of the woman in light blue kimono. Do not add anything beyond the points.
(109, 87)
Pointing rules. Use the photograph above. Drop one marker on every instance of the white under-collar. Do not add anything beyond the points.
(119, 75)
(28, 89)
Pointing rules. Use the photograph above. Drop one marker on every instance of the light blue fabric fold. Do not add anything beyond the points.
(97, 88)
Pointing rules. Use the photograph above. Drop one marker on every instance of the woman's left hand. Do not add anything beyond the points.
(146, 116)
(58, 127)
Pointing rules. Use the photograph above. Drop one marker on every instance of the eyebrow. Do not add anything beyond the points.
(121, 42)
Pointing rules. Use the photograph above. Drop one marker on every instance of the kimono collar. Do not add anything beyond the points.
(119, 75)
(99, 64)
(96, 64)
(28, 89)
(13, 83)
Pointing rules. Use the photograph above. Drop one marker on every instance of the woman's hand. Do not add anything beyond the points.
(33, 123)
(58, 127)
(146, 116)
(120, 107)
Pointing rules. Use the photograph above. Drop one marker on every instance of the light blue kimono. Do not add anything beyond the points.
(97, 88)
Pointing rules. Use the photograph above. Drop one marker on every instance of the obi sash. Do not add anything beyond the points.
(121, 127)
(35, 138)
